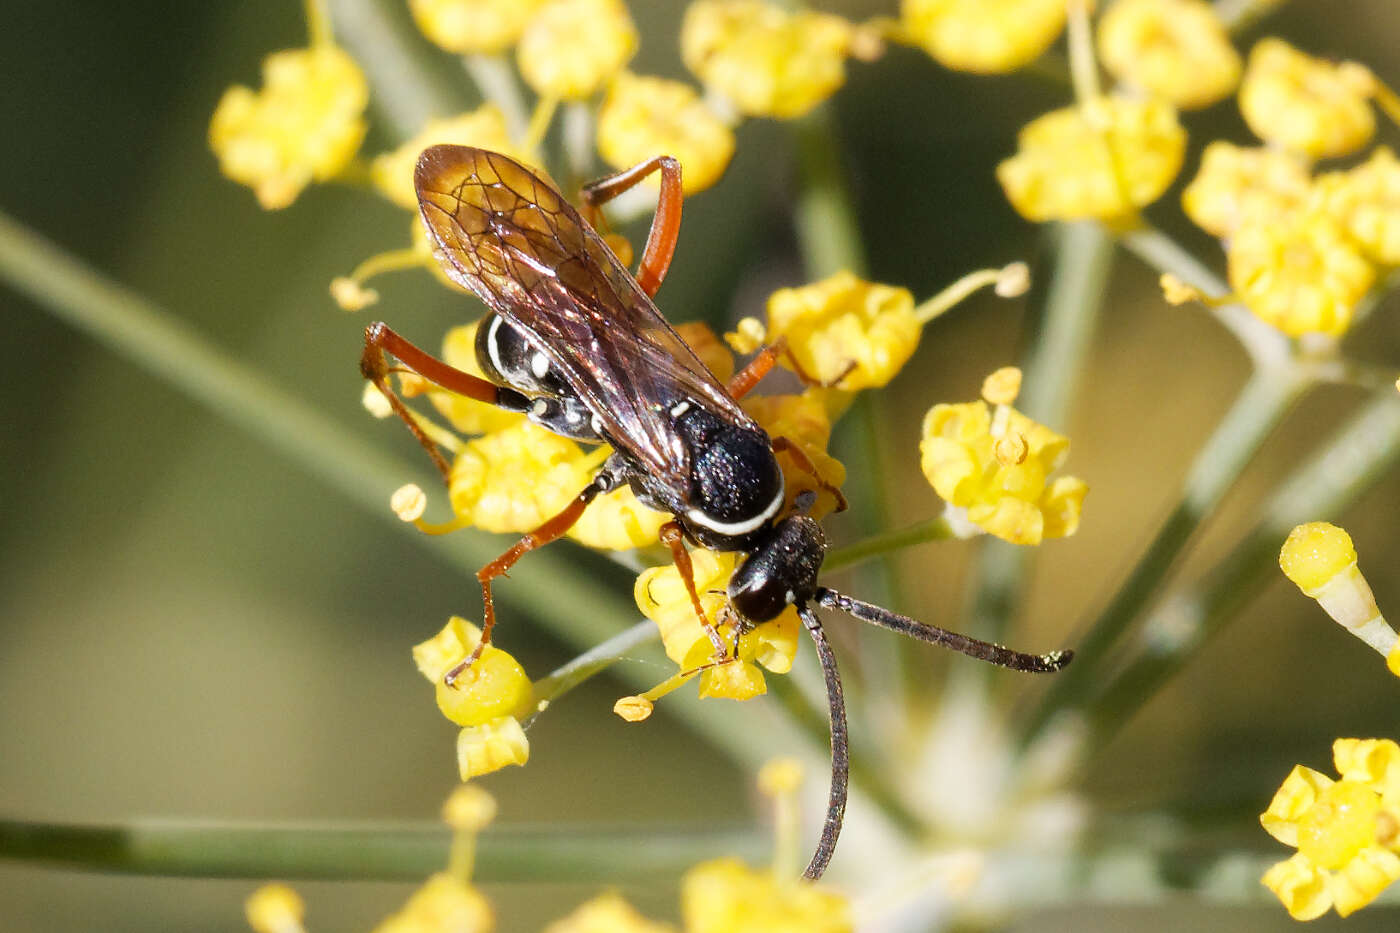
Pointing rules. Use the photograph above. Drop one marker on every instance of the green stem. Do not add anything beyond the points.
(494, 76)
(1068, 317)
(827, 232)
(593, 661)
(1335, 476)
(933, 529)
(369, 852)
(1261, 404)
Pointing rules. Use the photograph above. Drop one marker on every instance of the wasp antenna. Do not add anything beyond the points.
(840, 749)
(972, 647)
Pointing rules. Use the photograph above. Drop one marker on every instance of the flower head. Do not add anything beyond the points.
(726, 896)
(1104, 159)
(572, 47)
(1300, 273)
(842, 321)
(487, 700)
(644, 117)
(995, 465)
(987, 36)
(661, 595)
(606, 913)
(1305, 104)
(305, 124)
(484, 128)
(1175, 49)
(1366, 201)
(1346, 831)
(766, 61)
(1234, 184)
(1320, 558)
(467, 27)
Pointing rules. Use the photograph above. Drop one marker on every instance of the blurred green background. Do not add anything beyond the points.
(194, 627)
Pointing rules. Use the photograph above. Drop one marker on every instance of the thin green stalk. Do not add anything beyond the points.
(494, 76)
(1069, 308)
(593, 661)
(1266, 397)
(827, 232)
(1353, 460)
(388, 852)
(887, 542)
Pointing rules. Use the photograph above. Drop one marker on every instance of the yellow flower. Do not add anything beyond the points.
(484, 127)
(1175, 49)
(987, 36)
(802, 419)
(712, 352)
(1305, 104)
(617, 521)
(1320, 559)
(644, 117)
(573, 46)
(766, 61)
(1366, 201)
(1236, 183)
(1299, 273)
(662, 597)
(305, 124)
(726, 896)
(275, 908)
(444, 903)
(473, 26)
(1102, 160)
(843, 320)
(515, 479)
(1346, 831)
(468, 415)
(606, 913)
(487, 700)
(997, 468)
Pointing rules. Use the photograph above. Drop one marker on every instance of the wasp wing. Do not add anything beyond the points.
(507, 234)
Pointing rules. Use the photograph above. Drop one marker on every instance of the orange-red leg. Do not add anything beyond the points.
(665, 225)
(745, 379)
(804, 463)
(549, 531)
(672, 537)
(379, 339)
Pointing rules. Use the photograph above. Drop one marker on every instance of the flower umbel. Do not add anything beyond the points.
(1346, 831)
(1104, 160)
(305, 125)
(994, 464)
(1175, 49)
(983, 35)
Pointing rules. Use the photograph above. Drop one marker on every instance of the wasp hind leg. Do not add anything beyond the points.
(665, 225)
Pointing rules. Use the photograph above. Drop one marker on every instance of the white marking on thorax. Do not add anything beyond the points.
(597, 425)
(736, 528)
(539, 365)
(493, 345)
(539, 408)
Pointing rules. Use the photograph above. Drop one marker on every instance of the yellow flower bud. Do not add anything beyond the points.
(469, 809)
(1314, 554)
(275, 908)
(473, 26)
(1174, 49)
(1304, 104)
(491, 746)
(495, 685)
(305, 124)
(644, 117)
(572, 47)
(409, 502)
(780, 776)
(515, 479)
(802, 419)
(1102, 160)
(634, 708)
(987, 36)
(1300, 273)
(843, 320)
(484, 127)
(726, 896)
(766, 61)
(1002, 386)
(606, 913)
(1008, 497)
(1236, 184)
(1366, 202)
(443, 903)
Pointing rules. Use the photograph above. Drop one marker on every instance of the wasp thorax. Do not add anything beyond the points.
(736, 485)
(781, 571)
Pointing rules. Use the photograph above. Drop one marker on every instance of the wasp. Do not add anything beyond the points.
(573, 341)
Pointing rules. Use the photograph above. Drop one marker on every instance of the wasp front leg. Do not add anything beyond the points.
(673, 538)
(804, 463)
(379, 340)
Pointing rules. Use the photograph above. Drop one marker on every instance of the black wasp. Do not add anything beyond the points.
(574, 342)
